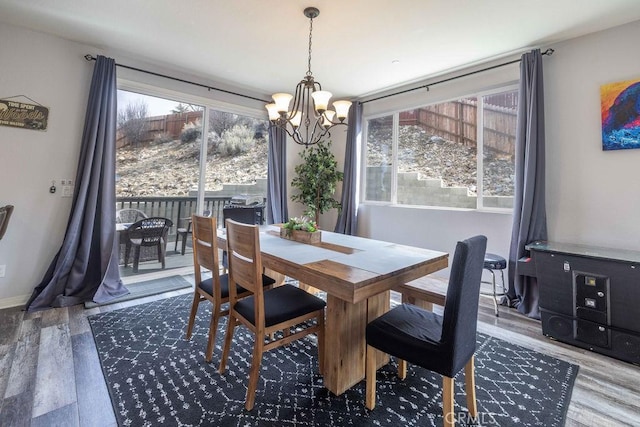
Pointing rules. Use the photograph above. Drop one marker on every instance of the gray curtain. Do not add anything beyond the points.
(347, 219)
(86, 266)
(277, 177)
(529, 211)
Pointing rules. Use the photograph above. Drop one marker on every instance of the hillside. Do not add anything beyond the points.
(171, 168)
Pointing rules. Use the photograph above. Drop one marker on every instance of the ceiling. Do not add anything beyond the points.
(359, 46)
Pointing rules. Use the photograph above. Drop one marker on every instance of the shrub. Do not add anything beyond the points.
(237, 140)
(132, 121)
(191, 131)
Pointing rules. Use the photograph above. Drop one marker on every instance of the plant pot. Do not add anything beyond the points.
(301, 236)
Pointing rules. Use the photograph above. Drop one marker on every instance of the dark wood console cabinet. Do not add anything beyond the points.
(589, 296)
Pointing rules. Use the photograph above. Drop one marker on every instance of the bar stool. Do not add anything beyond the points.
(494, 262)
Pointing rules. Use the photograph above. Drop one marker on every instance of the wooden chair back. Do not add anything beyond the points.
(245, 263)
(205, 246)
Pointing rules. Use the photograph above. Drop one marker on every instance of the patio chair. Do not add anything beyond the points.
(184, 232)
(147, 232)
(129, 216)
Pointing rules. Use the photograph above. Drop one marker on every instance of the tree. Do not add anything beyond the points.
(184, 108)
(132, 121)
(316, 180)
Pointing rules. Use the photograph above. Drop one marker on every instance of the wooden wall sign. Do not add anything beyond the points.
(23, 115)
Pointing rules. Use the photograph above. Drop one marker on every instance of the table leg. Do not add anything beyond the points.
(345, 344)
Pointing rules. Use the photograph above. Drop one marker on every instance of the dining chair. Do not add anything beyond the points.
(243, 214)
(151, 231)
(443, 344)
(266, 311)
(214, 289)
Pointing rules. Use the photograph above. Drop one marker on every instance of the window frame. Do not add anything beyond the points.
(395, 113)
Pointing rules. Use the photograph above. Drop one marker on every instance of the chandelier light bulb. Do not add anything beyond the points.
(282, 101)
(273, 111)
(321, 100)
(342, 109)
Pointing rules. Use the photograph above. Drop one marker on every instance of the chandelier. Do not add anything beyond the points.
(308, 118)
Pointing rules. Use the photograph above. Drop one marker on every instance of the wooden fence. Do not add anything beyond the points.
(457, 121)
(170, 124)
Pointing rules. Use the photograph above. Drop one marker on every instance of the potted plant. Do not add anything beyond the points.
(316, 180)
(302, 230)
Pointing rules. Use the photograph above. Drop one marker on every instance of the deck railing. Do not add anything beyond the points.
(176, 208)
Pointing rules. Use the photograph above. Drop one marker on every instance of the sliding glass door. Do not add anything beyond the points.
(157, 173)
(176, 158)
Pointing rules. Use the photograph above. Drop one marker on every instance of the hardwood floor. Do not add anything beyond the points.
(50, 374)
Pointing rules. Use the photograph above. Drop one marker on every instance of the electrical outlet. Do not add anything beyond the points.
(3, 270)
(67, 187)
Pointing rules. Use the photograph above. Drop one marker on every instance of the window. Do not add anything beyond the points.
(428, 156)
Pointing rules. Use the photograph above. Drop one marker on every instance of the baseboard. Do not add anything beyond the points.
(14, 301)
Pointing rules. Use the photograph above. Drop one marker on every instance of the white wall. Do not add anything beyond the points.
(593, 196)
(52, 72)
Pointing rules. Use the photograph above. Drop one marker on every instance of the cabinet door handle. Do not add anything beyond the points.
(600, 294)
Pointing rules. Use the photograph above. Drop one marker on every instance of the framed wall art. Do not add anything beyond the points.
(620, 108)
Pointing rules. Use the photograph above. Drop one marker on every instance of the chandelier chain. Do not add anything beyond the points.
(309, 73)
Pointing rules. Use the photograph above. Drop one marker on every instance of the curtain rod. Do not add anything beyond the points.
(88, 57)
(546, 52)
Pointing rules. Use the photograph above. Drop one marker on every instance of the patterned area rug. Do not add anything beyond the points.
(156, 377)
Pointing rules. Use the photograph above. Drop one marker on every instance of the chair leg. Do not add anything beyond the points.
(175, 248)
(370, 378)
(447, 402)
(127, 251)
(258, 348)
(192, 315)
(161, 251)
(470, 388)
(402, 369)
(227, 343)
(136, 258)
(213, 328)
(495, 297)
(184, 242)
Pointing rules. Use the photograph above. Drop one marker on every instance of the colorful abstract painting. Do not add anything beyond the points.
(620, 108)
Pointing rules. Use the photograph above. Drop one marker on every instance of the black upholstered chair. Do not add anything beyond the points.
(216, 288)
(443, 344)
(151, 231)
(266, 311)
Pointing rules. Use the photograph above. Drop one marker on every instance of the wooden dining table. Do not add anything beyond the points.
(357, 274)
